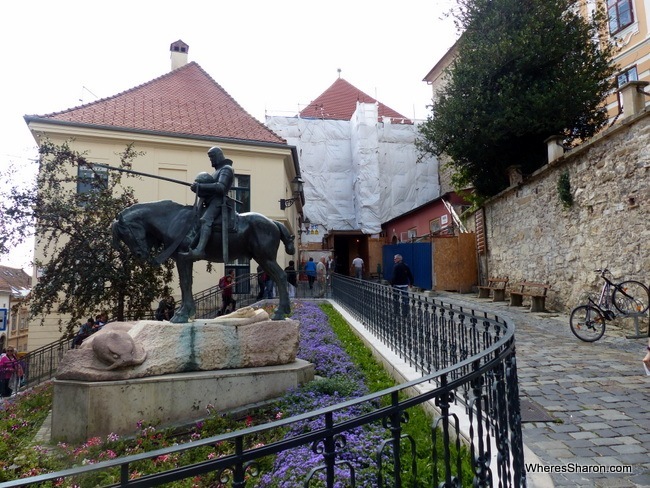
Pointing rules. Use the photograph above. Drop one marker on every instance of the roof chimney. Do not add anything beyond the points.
(179, 52)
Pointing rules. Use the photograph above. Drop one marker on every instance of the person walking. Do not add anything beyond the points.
(357, 267)
(227, 284)
(401, 281)
(321, 276)
(331, 265)
(310, 271)
(261, 282)
(292, 279)
(9, 368)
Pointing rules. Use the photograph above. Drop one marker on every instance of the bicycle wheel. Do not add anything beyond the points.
(631, 297)
(587, 323)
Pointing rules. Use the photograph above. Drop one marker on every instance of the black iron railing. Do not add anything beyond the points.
(41, 364)
(470, 377)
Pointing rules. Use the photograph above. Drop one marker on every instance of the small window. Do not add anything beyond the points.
(93, 178)
(623, 78)
(22, 322)
(627, 76)
(241, 192)
(620, 13)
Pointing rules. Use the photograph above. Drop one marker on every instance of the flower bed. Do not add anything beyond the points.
(342, 377)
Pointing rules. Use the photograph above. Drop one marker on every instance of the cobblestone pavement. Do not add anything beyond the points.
(597, 392)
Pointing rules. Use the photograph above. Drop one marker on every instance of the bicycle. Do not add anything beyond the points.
(629, 298)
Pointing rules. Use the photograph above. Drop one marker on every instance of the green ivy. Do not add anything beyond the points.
(564, 190)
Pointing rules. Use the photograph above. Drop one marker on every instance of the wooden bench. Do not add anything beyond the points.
(536, 292)
(495, 285)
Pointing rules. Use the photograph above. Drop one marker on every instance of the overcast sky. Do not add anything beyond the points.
(270, 56)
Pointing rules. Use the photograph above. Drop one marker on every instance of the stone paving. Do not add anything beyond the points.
(597, 392)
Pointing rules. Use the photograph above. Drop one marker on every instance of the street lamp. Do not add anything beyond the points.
(307, 223)
(296, 188)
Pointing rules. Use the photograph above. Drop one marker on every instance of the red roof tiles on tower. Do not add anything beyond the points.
(339, 102)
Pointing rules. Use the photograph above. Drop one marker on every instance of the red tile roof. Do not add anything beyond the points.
(339, 102)
(185, 101)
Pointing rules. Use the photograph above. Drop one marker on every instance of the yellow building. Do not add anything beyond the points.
(175, 119)
(628, 27)
(628, 24)
(15, 285)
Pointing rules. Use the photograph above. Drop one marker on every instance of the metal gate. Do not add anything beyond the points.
(418, 257)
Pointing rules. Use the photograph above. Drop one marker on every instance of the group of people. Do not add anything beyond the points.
(89, 328)
(10, 369)
(319, 273)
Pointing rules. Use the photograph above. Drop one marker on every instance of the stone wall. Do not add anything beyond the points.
(531, 236)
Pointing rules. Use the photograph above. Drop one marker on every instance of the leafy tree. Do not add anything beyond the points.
(72, 211)
(525, 70)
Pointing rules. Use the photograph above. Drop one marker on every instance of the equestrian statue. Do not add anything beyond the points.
(170, 229)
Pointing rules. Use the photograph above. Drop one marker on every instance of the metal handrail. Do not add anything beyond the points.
(469, 362)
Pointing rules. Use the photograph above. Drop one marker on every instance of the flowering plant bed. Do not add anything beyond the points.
(342, 361)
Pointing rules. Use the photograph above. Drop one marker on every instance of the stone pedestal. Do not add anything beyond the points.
(83, 409)
(122, 351)
(166, 374)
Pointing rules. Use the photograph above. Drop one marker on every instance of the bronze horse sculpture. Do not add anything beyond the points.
(157, 226)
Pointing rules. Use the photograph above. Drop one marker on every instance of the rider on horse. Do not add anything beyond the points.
(213, 195)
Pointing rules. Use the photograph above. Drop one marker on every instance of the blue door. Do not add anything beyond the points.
(417, 255)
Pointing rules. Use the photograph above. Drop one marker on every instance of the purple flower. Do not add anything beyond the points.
(320, 346)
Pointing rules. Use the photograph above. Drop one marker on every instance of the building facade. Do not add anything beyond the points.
(361, 168)
(628, 25)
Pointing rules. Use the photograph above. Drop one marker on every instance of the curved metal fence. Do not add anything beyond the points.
(468, 363)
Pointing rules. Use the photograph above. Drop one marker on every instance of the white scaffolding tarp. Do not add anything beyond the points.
(359, 173)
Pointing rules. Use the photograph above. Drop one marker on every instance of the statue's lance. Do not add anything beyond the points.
(139, 173)
(168, 251)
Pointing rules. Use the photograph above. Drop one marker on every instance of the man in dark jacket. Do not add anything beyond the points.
(401, 281)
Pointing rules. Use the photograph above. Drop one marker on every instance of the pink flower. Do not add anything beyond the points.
(162, 459)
